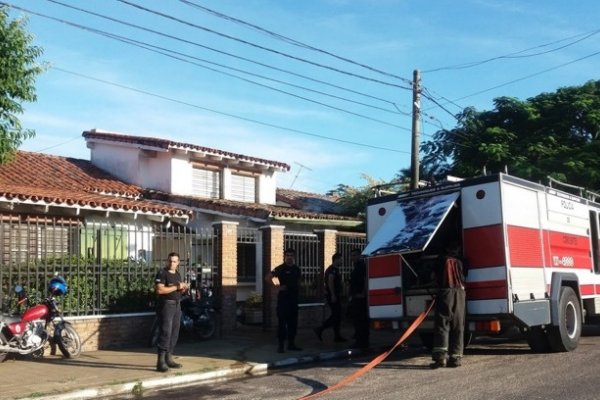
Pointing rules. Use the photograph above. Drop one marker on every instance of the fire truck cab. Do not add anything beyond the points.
(532, 254)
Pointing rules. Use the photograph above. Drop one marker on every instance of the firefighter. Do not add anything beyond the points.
(333, 289)
(448, 336)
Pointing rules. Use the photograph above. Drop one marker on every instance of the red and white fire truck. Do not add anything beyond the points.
(532, 253)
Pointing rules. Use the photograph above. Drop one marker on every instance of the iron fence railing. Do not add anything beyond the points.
(306, 246)
(345, 243)
(109, 266)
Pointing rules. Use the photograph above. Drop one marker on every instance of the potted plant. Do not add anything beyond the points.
(253, 308)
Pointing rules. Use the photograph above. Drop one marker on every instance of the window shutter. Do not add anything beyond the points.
(206, 183)
(243, 188)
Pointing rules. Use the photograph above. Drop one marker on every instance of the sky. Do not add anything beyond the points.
(322, 85)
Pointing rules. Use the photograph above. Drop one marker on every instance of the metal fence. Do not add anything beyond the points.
(345, 243)
(109, 265)
(248, 244)
(306, 246)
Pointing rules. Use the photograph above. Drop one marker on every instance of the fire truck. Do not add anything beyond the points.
(532, 254)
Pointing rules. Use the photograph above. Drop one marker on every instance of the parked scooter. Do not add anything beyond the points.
(29, 333)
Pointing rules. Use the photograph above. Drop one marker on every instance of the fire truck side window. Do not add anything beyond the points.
(595, 241)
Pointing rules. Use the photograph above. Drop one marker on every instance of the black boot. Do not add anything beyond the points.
(171, 363)
(161, 365)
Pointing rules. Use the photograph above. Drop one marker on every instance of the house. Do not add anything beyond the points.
(108, 224)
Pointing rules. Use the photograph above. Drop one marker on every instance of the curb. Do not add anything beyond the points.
(135, 388)
(223, 374)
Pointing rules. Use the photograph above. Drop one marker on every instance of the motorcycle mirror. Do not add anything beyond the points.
(18, 289)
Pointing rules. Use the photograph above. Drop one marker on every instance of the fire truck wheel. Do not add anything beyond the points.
(537, 339)
(565, 336)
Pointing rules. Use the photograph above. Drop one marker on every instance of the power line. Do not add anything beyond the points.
(255, 45)
(528, 76)
(166, 52)
(254, 121)
(292, 41)
(517, 54)
(198, 45)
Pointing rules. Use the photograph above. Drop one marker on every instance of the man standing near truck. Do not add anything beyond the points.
(448, 336)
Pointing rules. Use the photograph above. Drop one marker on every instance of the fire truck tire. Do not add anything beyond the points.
(565, 336)
(537, 339)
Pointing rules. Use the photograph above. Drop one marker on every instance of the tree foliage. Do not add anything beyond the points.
(353, 199)
(553, 134)
(18, 71)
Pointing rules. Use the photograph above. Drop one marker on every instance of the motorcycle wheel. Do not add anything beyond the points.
(68, 341)
(206, 329)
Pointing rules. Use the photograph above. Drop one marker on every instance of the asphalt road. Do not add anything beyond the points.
(493, 369)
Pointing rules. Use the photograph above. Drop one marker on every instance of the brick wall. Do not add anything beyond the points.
(227, 274)
(273, 243)
(113, 332)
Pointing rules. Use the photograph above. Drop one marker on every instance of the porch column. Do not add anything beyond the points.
(273, 242)
(327, 245)
(226, 253)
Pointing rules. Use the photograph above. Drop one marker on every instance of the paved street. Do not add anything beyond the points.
(494, 369)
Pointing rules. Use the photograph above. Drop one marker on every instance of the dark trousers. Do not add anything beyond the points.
(335, 319)
(287, 315)
(169, 316)
(448, 336)
(360, 319)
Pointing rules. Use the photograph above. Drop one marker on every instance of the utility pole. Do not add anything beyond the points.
(416, 117)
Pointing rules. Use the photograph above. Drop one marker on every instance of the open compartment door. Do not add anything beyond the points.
(411, 225)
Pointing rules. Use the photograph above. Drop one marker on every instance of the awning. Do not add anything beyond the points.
(411, 225)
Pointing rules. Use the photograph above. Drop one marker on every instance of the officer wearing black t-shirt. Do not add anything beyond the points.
(168, 286)
(333, 290)
(288, 281)
(358, 300)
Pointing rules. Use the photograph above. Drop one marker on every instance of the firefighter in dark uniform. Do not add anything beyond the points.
(358, 300)
(168, 287)
(288, 281)
(333, 290)
(448, 336)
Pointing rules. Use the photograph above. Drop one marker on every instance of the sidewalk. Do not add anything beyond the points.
(250, 351)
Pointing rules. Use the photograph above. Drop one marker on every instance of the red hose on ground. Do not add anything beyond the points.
(376, 360)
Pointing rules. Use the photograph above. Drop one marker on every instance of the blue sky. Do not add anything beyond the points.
(357, 120)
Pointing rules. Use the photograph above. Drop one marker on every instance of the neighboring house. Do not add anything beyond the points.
(219, 186)
(109, 223)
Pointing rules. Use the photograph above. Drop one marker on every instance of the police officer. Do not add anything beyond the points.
(288, 281)
(448, 339)
(333, 290)
(358, 300)
(168, 287)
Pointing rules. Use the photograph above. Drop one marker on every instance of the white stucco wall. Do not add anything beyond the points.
(155, 172)
(180, 175)
(121, 162)
(267, 186)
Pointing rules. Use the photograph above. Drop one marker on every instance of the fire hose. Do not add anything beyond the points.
(377, 360)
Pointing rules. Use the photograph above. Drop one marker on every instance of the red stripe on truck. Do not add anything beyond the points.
(382, 266)
(487, 290)
(525, 246)
(382, 297)
(484, 246)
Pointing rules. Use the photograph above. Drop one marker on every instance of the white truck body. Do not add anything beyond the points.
(523, 242)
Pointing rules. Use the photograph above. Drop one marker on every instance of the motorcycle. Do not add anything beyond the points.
(198, 315)
(29, 333)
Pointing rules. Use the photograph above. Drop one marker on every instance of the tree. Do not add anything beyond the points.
(353, 199)
(18, 71)
(552, 134)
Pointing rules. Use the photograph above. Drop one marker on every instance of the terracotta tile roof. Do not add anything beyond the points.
(262, 211)
(164, 144)
(53, 180)
(313, 202)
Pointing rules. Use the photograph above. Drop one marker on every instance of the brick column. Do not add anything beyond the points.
(226, 257)
(327, 245)
(273, 243)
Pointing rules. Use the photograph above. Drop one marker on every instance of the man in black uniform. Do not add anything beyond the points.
(448, 335)
(168, 287)
(288, 281)
(333, 290)
(358, 300)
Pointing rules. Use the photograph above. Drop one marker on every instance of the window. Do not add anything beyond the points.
(206, 183)
(243, 188)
